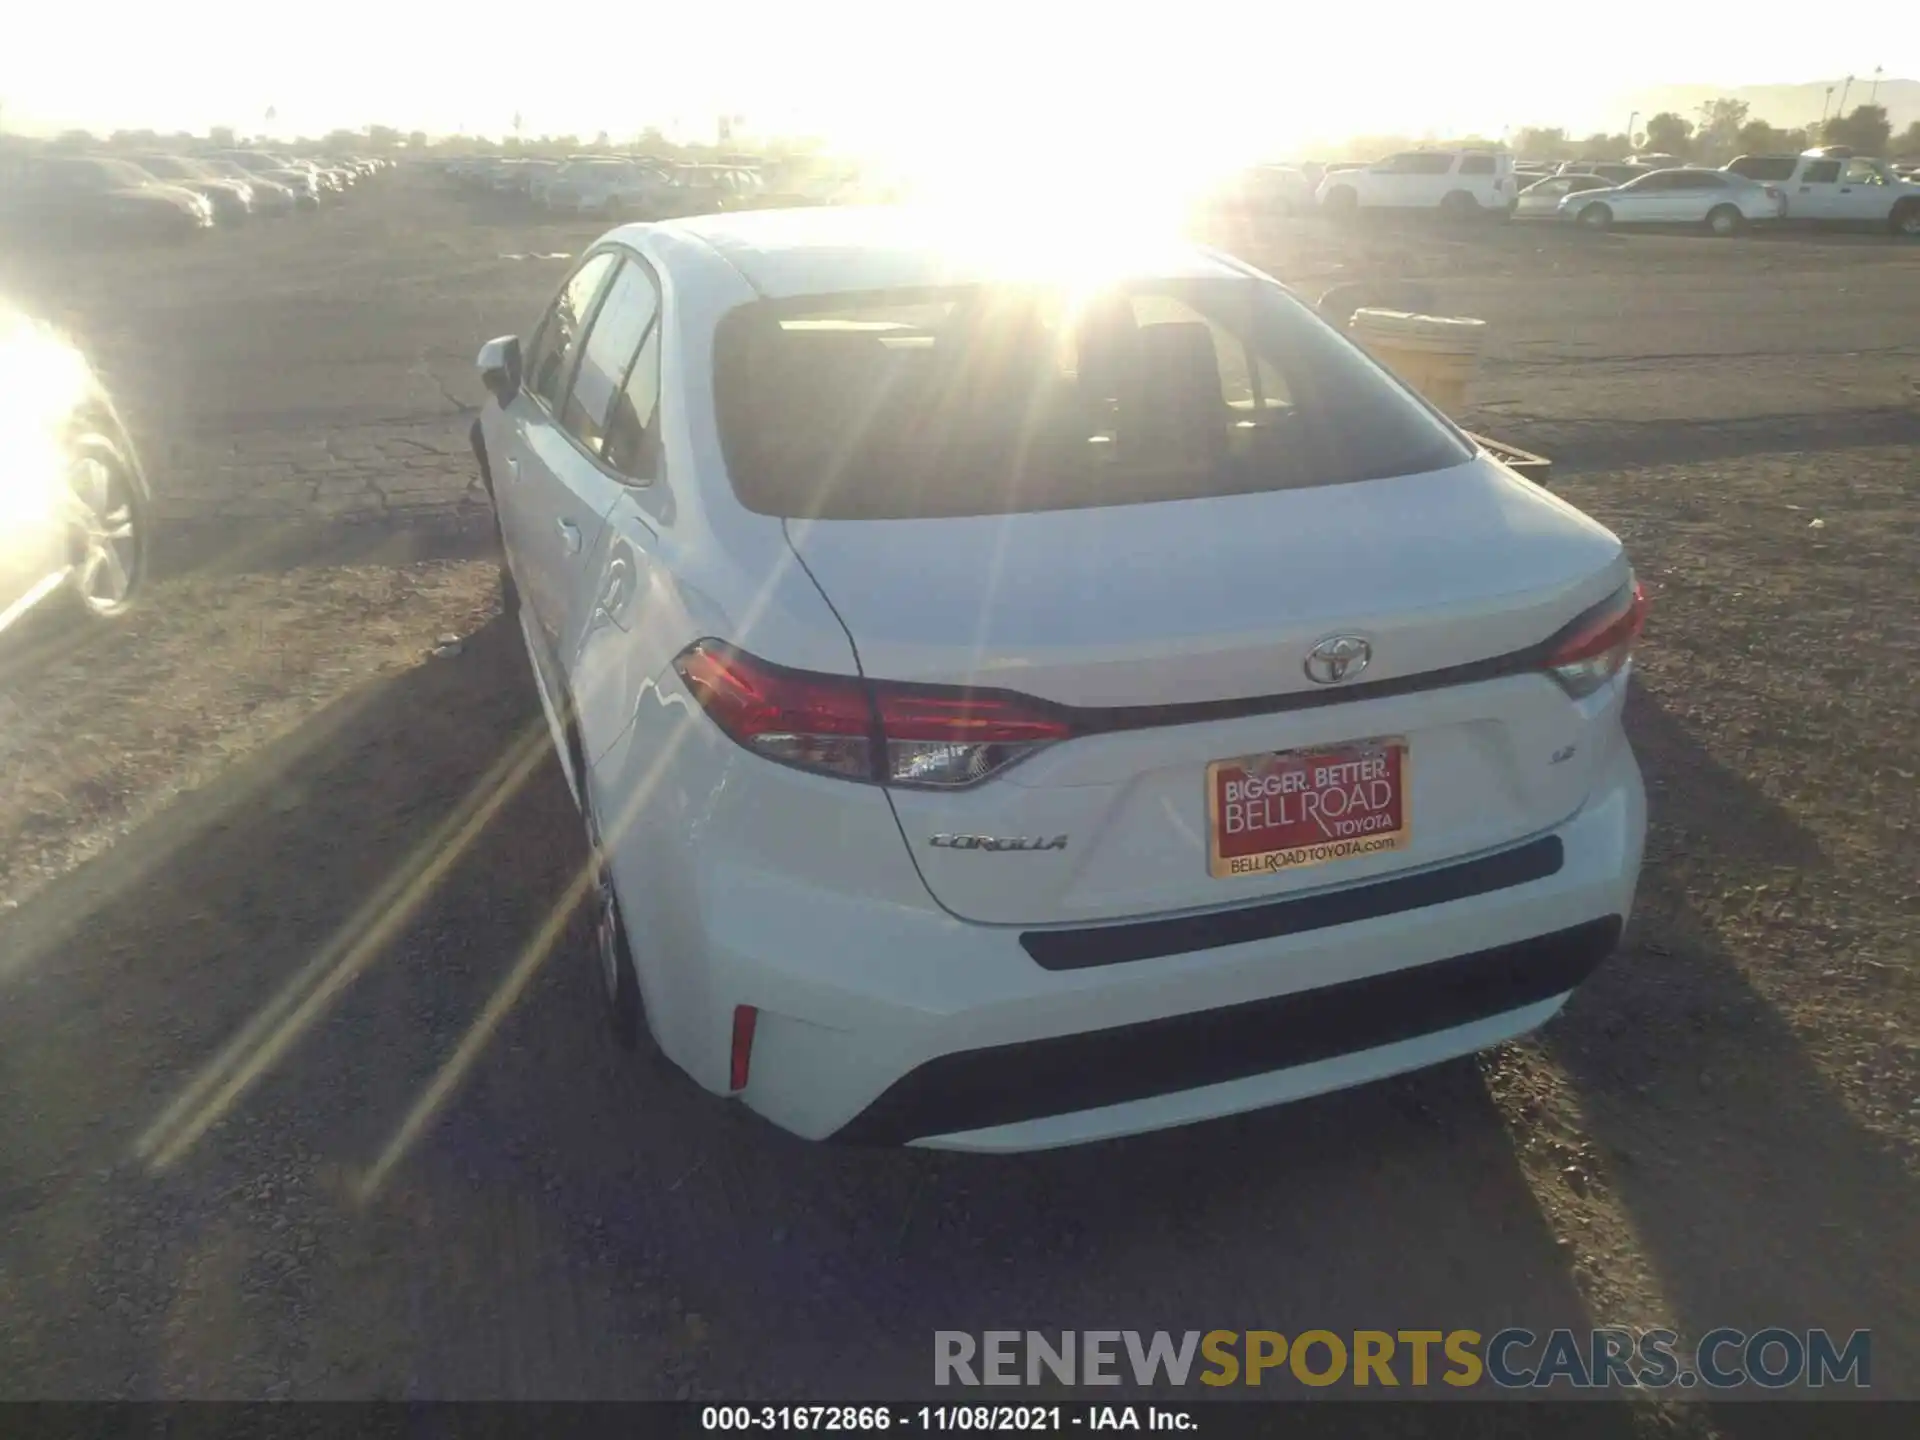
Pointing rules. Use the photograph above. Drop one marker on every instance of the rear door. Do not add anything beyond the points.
(1864, 196)
(539, 518)
(616, 477)
(1816, 194)
(576, 486)
(1661, 198)
(1481, 176)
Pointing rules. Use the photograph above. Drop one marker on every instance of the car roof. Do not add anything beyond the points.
(828, 249)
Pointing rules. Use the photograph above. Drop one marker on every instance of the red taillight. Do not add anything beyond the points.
(745, 1017)
(818, 722)
(927, 737)
(1599, 645)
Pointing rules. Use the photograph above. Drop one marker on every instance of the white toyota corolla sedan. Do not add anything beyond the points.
(1016, 701)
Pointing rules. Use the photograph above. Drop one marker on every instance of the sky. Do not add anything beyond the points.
(1150, 77)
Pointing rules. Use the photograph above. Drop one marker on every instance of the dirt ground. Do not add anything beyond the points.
(303, 1086)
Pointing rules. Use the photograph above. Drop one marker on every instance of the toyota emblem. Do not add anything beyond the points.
(1337, 658)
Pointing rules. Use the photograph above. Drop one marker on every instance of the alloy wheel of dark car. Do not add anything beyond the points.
(110, 559)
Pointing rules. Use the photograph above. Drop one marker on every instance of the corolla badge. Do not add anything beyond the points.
(1337, 658)
(998, 842)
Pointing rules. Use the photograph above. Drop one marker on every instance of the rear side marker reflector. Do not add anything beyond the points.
(745, 1017)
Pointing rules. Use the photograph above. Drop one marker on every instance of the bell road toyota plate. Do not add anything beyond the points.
(1294, 808)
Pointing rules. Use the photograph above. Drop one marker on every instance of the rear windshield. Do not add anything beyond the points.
(999, 400)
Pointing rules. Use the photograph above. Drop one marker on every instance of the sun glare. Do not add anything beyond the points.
(41, 379)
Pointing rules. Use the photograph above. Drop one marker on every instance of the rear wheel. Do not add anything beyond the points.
(1596, 216)
(1460, 206)
(1905, 219)
(619, 981)
(1725, 220)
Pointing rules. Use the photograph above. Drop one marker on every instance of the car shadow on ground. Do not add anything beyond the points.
(1757, 1197)
(252, 547)
(322, 1049)
(288, 1006)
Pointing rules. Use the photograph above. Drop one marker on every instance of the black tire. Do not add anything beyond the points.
(1459, 206)
(509, 587)
(509, 591)
(1597, 216)
(613, 952)
(1342, 201)
(101, 453)
(1724, 220)
(1905, 219)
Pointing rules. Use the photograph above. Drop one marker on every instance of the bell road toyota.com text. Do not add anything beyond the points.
(1607, 1358)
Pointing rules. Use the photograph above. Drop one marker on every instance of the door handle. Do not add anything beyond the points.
(513, 467)
(570, 537)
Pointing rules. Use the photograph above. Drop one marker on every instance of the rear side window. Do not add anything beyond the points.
(1477, 165)
(559, 339)
(626, 315)
(1001, 399)
(1821, 172)
(1430, 164)
(631, 427)
(1763, 167)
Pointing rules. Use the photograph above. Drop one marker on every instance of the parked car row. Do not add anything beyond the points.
(162, 195)
(619, 186)
(1827, 186)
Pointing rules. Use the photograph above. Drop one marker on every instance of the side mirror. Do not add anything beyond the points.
(499, 366)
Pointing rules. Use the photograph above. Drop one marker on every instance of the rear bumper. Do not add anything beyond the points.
(894, 1024)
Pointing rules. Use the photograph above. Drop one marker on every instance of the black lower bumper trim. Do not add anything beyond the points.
(1116, 944)
(1004, 1084)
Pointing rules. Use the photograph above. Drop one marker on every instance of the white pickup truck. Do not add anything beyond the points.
(1829, 187)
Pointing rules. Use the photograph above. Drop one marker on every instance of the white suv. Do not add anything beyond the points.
(1461, 182)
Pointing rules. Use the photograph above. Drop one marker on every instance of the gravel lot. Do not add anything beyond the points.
(303, 1086)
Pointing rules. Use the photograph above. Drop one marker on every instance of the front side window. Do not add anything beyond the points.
(1864, 172)
(551, 363)
(984, 400)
